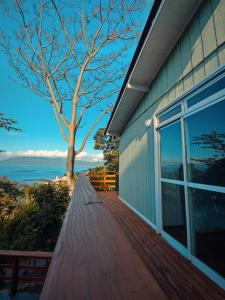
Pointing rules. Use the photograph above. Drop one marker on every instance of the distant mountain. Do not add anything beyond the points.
(45, 161)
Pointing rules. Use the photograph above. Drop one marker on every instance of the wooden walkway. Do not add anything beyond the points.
(176, 275)
(94, 259)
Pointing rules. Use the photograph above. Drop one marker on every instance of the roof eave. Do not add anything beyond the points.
(153, 49)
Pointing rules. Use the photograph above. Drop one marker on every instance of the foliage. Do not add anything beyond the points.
(9, 196)
(7, 205)
(98, 170)
(8, 124)
(110, 147)
(10, 188)
(105, 142)
(35, 221)
(111, 160)
(20, 232)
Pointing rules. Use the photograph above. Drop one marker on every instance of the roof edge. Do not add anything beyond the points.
(141, 42)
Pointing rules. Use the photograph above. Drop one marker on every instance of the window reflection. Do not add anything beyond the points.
(205, 135)
(168, 114)
(173, 210)
(171, 152)
(206, 92)
(207, 217)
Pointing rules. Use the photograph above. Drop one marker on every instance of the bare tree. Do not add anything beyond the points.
(72, 55)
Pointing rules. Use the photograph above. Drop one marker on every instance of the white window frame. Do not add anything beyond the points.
(186, 111)
(176, 244)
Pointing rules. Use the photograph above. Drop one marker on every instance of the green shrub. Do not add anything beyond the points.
(35, 222)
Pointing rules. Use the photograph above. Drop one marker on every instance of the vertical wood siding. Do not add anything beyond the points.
(200, 51)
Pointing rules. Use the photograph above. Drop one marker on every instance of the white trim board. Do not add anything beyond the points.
(175, 244)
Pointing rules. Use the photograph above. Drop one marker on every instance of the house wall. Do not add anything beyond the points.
(199, 52)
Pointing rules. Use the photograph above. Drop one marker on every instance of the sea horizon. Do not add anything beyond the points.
(29, 174)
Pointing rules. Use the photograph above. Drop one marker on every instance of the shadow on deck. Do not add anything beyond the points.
(105, 251)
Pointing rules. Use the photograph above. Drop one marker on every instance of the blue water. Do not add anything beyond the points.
(31, 174)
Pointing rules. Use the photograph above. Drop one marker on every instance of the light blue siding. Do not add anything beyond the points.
(200, 51)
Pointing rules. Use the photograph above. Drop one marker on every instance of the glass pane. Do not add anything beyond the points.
(207, 217)
(205, 134)
(166, 115)
(171, 151)
(210, 90)
(173, 212)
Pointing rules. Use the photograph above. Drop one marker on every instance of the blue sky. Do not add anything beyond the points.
(34, 115)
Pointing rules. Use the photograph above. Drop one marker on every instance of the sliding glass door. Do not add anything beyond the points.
(172, 183)
(192, 182)
(205, 140)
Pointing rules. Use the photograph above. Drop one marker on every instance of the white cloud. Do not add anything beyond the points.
(36, 153)
(90, 157)
(97, 157)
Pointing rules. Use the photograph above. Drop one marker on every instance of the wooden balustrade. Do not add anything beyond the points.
(16, 257)
(104, 182)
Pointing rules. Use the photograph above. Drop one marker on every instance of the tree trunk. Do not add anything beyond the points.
(70, 166)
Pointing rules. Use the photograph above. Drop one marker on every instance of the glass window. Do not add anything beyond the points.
(171, 151)
(205, 139)
(173, 211)
(207, 218)
(168, 114)
(208, 91)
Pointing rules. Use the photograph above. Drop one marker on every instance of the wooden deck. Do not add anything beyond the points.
(176, 275)
(94, 259)
(105, 251)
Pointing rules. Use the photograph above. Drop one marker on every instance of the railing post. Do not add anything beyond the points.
(104, 183)
(15, 272)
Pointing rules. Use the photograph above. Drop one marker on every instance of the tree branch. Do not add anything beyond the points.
(91, 130)
(66, 123)
(60, 125)
(83, 28)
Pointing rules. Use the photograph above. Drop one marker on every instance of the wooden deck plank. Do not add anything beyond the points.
(94, 259)
(179, 278)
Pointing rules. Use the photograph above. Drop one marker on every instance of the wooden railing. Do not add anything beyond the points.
(22, 256)
(105, 182)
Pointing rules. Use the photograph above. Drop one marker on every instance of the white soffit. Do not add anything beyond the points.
(169, 24)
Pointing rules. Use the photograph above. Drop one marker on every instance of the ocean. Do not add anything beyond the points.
(31, 174)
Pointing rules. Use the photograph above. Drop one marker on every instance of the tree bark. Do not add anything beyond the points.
(70, 163)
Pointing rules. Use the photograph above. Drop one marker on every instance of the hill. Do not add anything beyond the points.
(37, 161)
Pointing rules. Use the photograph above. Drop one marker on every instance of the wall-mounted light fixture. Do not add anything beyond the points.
(148, 123)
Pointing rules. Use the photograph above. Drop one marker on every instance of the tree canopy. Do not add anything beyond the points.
(110, 147)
